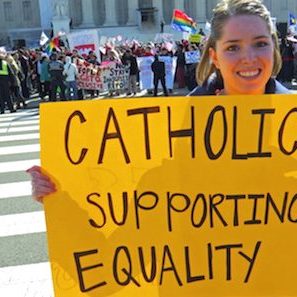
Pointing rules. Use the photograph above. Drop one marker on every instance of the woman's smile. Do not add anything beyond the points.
(250, 74)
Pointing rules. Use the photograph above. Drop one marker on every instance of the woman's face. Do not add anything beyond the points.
(244, 55)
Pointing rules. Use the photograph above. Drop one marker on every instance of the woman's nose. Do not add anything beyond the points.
(248, 55)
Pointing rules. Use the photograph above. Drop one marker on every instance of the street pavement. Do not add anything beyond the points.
(24, 266)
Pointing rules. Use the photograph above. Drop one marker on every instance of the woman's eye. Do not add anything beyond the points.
(232, 48)
(261, 44)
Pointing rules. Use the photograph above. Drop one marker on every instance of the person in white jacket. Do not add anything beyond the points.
(70, 72)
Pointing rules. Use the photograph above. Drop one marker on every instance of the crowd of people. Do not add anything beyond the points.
(54, 75)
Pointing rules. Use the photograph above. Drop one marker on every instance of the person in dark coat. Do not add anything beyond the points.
(286, 73)
(55, 69)
(24, 60)
(180, 67)
(158, 68)
(130, 60)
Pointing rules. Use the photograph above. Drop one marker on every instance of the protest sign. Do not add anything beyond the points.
(146, 75)
(172, 197)
(192, 57)
(89, 75)
(106, 77)
(162, 37)
(115, 76)
(85, 41)
(195, 38)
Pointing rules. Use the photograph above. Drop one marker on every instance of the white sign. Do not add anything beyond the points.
(192, 57)
(84, 42)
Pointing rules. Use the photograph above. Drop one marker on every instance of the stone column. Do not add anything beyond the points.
(159, 15)
(110, 9)
(87, 14)
(201, 11)
(46, 13)
(179, 4)
(132, 12)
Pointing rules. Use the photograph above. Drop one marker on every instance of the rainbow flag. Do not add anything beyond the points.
(292, 21)
(54, 43)
(182, 22)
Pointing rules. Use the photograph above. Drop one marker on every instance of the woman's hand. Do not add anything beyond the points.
(42, 185)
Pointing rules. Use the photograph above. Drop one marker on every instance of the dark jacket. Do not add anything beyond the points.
(55, 69)
(131, 61)
(158, 68)
(213, 84)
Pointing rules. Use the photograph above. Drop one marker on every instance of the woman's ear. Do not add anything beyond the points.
(213, 57)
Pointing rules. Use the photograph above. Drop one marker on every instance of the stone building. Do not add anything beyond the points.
(22, 21)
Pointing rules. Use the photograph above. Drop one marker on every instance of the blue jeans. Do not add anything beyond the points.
(71, 91)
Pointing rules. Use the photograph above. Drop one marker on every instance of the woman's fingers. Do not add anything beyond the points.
(34, 168)
(40, 191)
(41, 183)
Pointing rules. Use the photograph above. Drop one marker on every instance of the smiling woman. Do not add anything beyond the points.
(241, 55)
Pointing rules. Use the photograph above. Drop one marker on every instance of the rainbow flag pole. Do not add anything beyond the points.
(182, 22)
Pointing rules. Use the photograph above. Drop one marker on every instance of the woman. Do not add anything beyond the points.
(241, 56)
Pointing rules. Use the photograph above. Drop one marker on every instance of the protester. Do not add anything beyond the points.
(76, 55)
(56, 68)
(158, 68)
(24, 60)
(181, 63)
(15, 86)
(70, 71)
(286, 73)
(113, 56)
(131, 62)
(92, 58)
(190, 75)
(201, 32)
(147, 52)
(45, 78)
(241, 57)
(6, 79)
(36, 71)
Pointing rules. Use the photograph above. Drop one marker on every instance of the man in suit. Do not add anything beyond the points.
(158, 68)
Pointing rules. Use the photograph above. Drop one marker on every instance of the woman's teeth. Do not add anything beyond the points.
(249, 73)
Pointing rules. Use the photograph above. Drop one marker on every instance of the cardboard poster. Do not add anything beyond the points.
(172, 197)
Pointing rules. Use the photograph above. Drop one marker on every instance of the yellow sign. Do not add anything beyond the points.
(172, 197)
(195, 38)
